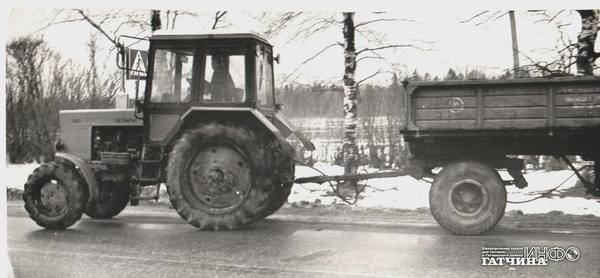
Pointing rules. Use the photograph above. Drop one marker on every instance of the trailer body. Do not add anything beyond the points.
(534, 116)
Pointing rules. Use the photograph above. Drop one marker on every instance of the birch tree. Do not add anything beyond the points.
(350, 104)
(304, 26)
(586, 55)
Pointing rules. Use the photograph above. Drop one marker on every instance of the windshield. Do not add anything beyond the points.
(172, 75)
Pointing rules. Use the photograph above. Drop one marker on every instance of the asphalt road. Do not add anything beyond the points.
(157, 243)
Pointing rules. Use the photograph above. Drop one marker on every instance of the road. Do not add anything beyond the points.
(155, 242)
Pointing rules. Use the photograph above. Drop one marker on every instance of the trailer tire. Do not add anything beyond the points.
(55, 195)
(467, 198)
(222, 177)
(112, 199)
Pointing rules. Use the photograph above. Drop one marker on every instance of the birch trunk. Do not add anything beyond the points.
(586, 41)
(350, 103)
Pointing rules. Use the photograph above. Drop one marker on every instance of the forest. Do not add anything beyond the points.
(39, 83)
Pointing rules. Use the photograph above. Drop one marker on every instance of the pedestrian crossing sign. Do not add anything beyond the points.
(138, 64)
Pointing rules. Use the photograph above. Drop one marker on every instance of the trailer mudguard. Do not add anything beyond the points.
(87, 173)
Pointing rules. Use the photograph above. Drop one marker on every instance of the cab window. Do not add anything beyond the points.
(224, 76)
(264, 76)
(172, 75)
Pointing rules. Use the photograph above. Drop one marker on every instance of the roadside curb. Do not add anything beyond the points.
(348, 221)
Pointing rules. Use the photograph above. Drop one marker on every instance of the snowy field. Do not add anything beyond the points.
(408, 193)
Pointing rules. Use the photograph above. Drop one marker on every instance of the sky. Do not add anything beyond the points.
(441, 38)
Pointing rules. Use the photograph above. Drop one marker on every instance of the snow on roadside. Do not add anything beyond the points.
(539, 183)
(16, 174)
(407, 193)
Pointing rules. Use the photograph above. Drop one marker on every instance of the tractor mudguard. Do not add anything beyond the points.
(280, 126)
(287, 128)
(87, 173)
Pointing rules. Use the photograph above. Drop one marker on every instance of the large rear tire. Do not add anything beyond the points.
(112, 199)
(55, 195)
(467, 198)
(221, 177)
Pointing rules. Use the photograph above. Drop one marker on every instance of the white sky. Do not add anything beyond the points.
(453, 45)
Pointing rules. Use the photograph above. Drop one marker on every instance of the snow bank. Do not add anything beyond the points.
(408, 193)
(16, 175)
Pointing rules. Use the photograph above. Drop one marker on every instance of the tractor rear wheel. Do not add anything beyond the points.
(221, 177)
(112, 199)
(55, 195)
(467, 198)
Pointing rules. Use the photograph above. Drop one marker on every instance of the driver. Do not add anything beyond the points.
(221, 86)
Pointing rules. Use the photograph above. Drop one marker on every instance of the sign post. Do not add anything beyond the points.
(137, 64)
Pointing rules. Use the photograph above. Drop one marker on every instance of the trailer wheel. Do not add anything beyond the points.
(222, 177)
(112, 199)
(55, 195)
(467, 198)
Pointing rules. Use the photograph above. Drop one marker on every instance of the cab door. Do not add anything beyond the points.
(169, 94)
(265, 87)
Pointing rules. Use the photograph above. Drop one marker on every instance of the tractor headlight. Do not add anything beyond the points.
(59, 145)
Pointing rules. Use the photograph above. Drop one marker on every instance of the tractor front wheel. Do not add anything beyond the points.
(55, 195)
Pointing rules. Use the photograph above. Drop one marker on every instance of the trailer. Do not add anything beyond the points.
(473, 128)
(470, 129)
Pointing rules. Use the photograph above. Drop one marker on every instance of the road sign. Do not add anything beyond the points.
(138, 64)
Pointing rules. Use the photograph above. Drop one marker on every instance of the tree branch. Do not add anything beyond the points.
(369, 57)
(388, 46)
(492, 17)
(218, 16)
(473, 17)
(369, 77)
(310, 59)
(380, 20)
(91, 22)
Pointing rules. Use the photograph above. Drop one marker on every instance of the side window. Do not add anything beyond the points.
(225, 76)
(264, 77)
(172, 75)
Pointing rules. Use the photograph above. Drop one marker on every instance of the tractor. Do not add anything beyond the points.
(207, 126)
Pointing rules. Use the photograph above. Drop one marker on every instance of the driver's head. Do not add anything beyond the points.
(220, 60)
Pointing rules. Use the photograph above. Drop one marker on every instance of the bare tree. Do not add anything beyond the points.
(39, 84)
(565, 53)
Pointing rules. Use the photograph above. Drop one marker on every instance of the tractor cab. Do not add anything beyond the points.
(196, 76)
(210, 69)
